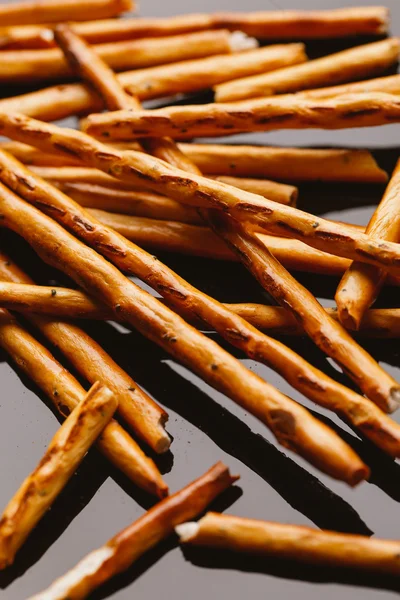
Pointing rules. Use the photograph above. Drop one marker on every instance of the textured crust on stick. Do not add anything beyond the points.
(52, 11)
(138, 168)
(361, 283)
(388, 85)
(348, 65)
(292, 424)
(138, 410)
(304, 544)
(64, 454)
(145, 533)
(44, 65)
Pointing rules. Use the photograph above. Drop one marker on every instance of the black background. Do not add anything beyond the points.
(207, 426)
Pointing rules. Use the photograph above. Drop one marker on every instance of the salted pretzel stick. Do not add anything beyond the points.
(348, 65)
(74, 304)
(389, 85)
(63, 456)
(327, 334)
(52, 11)
(138, 168)
(138, 410)
(128, 545)
(284, 164)
(217, 367)
(278, 192)
(361, 283)
(294, 542)
(44, 65)
(64, 391)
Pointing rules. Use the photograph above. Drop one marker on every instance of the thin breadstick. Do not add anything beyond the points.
(138, 410)
(267, 24)
(389, 85)
(63, 456)
(52, 11)
(294, 542)
(44, 65)
(74, 304)
(128, 545)
(278, 192)
(361, 284)
(260, 114)
(284, 164)
(292, 424)
(138, 168)
(348, 65)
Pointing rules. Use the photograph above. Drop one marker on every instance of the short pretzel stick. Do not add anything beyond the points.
(348, 65)
(306, 435)
(45, 65)
(137, 409)
(361, 283)
(128, 545)
(52, 11)
(63, 456)
(140, 169)
(389, 85)
(303, 544)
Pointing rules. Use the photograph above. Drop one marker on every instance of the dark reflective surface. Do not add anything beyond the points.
(206, 426)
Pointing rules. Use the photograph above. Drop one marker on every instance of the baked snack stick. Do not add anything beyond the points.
(63, 456)
(389, 85)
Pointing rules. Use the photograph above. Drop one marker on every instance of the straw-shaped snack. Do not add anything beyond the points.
(294, 542)
(389, 85)
(128, 545)
(138, 410)
(290, 422)
(278, 192)
(361, 283)
(52, 11)
(261, 114)
(348, 65)
(327, 334)
(64, 454)
(74, 304)
(44, 65)
(140, 169)
(283, 164)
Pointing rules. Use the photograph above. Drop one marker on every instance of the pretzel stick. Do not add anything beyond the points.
(128, 545)
(51, 11)
(74, 304)
(138, 168)
(361, 283)
(138, 410)
(43, 65)
(348, 65)
(284, 164)
(306, 435)
(389, 85)
(278, 192)
(294, 542)
(63, 456)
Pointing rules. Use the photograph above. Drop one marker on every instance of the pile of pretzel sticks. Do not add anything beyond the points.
(88, 201)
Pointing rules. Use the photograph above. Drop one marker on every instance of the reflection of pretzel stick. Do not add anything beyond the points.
(64, 454)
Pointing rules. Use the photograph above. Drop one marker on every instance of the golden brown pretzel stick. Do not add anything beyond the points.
(304, 544)
(361, 284)
(308, 436)
(66, 393)
(63, 456)
(43, 65)
(129, 544)
(278, 192)
(389, 85)
(284, 164)
(74, 304)
(267, 24)
(327, 334)
(348, 65)
(138, 410)
(52, 11)
(259, 114)
(138, 168)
